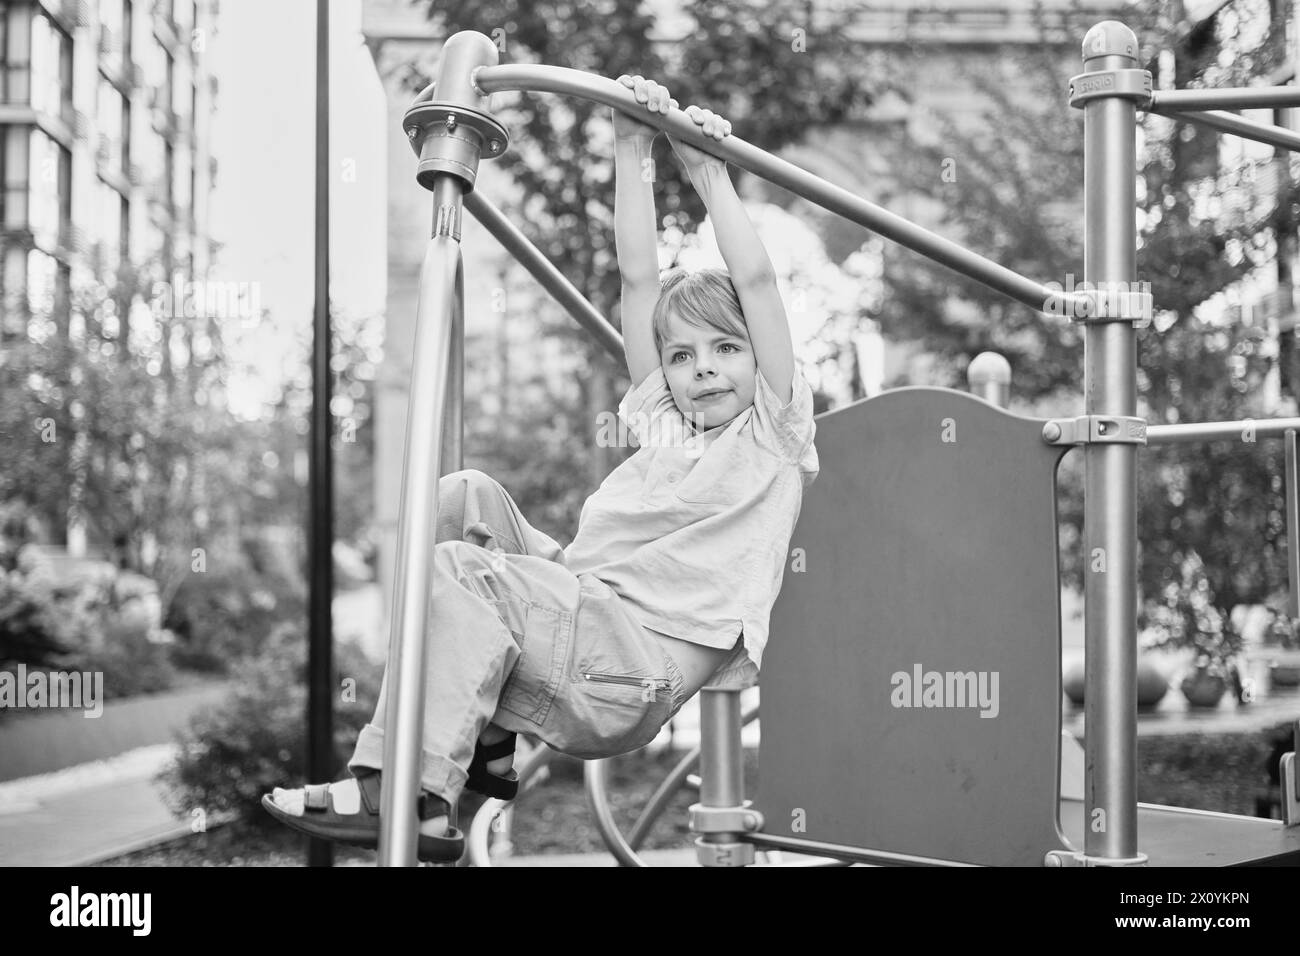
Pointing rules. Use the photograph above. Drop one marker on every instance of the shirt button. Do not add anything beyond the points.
(673, 478)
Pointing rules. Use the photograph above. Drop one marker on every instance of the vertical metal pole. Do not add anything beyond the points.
(721, 763)
(404, 717)
(722, 778)
(320, 534)
(1110, 490)
(452, 455)
(1292, 525)
(453, 428)
(434, 426)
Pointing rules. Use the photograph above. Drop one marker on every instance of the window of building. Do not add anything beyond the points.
(169, 78)
(180, 80)
(108, 225)
(4, 183)
(110, 38)
(49, 193)
(14, 179)
(42, 276)
(51, 68)
(124, 234)
(128, 23)
(109, 116)
(126, 137)
(169, 178)
(15, 54)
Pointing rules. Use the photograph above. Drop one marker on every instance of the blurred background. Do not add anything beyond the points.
(156, 223)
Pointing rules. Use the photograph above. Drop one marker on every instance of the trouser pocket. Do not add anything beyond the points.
(530, 690)
(620, 687)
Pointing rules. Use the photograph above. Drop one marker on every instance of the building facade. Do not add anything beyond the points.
(104, 146)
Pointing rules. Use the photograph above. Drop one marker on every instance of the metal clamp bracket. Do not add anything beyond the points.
(449, 138)
(425, 117)
(1096, 429)
(1132, 84)
(741, 819)
(1108, 302)
(1056, 858)
(724, 854)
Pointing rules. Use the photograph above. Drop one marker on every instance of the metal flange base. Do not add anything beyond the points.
(452, 139)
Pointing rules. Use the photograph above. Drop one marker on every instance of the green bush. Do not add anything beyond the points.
(130, 662)
(32, 629)
(98, 623)
(223, 615)
(1223, 772)
(232, 754)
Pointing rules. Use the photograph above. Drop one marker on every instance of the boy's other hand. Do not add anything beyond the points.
(654, 96)
(711, 124)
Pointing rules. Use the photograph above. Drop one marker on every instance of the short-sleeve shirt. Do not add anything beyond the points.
(693, 530)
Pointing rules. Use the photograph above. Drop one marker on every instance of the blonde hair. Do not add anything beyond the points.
(704, 298)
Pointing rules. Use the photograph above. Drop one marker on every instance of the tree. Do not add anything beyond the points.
(1210, 524)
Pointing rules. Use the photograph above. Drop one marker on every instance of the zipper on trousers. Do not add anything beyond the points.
(660, 683)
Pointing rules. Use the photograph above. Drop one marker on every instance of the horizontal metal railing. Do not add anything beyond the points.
(733, 149)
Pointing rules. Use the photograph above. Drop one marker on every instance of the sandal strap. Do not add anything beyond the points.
(431, 805)
(428, 805)
(316, 796)
(502, 748)
(368, 784)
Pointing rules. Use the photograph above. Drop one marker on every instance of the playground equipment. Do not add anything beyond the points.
(923, 730)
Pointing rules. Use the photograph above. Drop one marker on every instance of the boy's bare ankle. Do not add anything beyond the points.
(492, 734)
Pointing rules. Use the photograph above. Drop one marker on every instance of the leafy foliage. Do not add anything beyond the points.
(232, 754)
(1210, 524)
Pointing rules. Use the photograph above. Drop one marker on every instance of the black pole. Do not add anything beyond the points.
(320, 537)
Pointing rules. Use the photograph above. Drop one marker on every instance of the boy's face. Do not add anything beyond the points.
(702, 360)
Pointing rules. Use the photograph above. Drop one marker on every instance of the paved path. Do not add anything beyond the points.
(44, 741)
(86, 813)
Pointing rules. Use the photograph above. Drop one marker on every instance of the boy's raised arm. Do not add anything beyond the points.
(747, 261)
(635, 234)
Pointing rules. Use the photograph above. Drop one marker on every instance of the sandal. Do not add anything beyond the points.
(493, 784)
(320, 819)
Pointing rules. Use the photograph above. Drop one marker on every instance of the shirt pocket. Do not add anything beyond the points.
(722, 479)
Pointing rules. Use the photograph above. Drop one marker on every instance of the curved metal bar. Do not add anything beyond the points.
(659, 800)
(479, 840)
(596, 777)
(540, 78)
